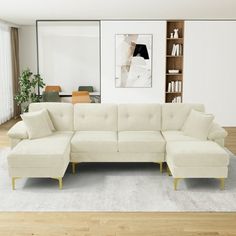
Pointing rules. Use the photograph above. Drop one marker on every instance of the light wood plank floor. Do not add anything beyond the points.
(117, 224)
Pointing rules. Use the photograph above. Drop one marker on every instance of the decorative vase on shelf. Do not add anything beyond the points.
(176, 35)
(171, 35)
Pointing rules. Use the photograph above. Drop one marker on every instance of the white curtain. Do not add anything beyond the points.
(6, 90)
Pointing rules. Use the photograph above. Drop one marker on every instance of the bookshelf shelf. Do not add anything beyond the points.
(174, 61)
(175, 39)
(174, 56)
(173, 92)
(174, 74)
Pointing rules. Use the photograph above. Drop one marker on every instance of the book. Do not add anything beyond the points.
(169, 87)
(172, 86)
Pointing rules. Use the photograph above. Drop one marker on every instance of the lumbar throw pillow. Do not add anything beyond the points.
(37, 124)
(198, 124)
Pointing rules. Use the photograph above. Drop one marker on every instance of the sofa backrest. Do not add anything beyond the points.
(174, 115)
(139, 117)
(60, 113)
(95, 117)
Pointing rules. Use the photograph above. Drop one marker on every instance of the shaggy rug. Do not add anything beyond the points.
(116, 187)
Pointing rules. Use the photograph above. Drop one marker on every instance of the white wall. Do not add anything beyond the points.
(132, 95)
(210, 67)
(27, 48)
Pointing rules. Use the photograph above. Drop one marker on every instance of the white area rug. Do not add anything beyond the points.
(116, 187)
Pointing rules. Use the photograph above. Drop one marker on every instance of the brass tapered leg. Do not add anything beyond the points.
(13, 183)
(60, 182)
(222, 183)
(176, 180)
(161, 167)
(73, 168)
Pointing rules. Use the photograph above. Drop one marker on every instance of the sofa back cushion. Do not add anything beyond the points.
(61, 114)
(95, 117)
(139, 117)
(174, 115)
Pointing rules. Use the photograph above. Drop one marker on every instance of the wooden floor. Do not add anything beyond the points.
(117, 224)
(4, 140)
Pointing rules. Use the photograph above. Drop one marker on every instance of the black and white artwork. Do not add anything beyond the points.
(133, 61)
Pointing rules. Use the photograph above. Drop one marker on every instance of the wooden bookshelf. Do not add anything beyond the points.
(174, 61)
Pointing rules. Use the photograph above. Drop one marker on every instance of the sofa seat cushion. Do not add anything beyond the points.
(196, 154)
(177, 136)
(94, 141)
(141, 141)
(43, 152)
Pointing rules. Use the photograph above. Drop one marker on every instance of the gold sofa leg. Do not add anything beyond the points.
(73, 167)
(222, 183)
(161, 167)
(176, 180)
(13, 183)
(60, 182)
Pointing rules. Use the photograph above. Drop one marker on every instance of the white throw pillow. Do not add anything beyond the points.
(198, 124)
(37, 124)
(48, 119)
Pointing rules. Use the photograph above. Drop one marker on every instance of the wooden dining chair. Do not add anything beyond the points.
(52, 88)
(80, 97)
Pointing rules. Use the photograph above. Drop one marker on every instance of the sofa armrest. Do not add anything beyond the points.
(18, 131)
(217, 132)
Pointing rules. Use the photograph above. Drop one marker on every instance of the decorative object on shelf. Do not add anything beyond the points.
(173, 71)
(171, 35)
(29, 84)
(133, 61)
(176, 35)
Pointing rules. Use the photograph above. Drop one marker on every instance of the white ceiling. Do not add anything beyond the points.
(25, 12)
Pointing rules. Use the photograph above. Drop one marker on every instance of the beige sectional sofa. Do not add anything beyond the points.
(117, 133)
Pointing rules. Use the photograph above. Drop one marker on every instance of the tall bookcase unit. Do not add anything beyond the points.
(174, 61)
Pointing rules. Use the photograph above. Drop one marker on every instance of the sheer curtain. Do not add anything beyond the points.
(6, 85)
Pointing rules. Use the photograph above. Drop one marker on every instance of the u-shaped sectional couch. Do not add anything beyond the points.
(117, 133)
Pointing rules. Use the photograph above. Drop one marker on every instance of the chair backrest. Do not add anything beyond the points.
(55, 88)
(51, 97)
(80, 97)
(86, 88)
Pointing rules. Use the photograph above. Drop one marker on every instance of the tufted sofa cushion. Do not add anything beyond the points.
(174, 115)
(94, 141)
(139, 117)
(95, 117)
(141, 141)
(61, 114)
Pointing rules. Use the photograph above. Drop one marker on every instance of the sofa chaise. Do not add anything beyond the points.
(117, 133)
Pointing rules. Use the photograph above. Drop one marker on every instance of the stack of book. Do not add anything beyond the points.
(174, 86)
(177, 50)
(177, 100)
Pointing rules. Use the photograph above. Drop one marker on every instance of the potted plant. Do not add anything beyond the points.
(29, 83)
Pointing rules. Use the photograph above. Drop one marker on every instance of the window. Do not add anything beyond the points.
(6, 91)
